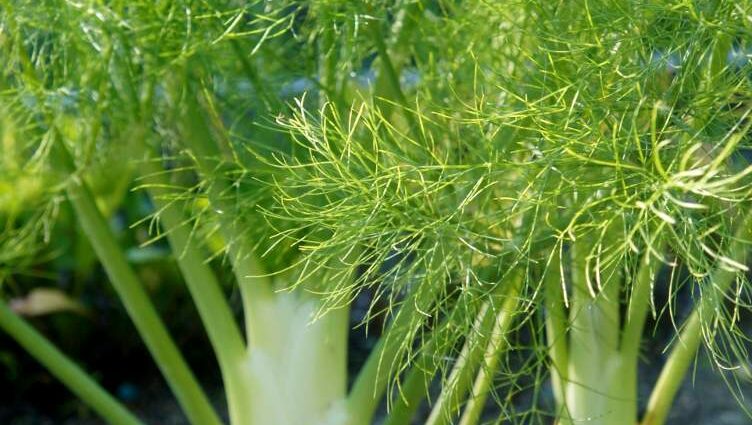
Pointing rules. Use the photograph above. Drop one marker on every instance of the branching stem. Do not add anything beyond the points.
(216, 315)
(140, 309)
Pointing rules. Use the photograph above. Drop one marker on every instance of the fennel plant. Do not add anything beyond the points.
(511, 181)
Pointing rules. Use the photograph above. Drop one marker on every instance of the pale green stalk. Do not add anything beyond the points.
(593, 391)
(636, 315)
(167, 356)
(216, 315)
(255, 288)
(460, 380)
(556, 330)
(328, 52)
(691, 335)
(413, 390)
(372, 380)
(639, 302)
(387, 66)
(388, 88)
(290, 354)
(492, 357)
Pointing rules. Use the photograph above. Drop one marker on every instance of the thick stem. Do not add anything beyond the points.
(690, 337)
(65, 369)
(593, 390)
(556, 330)
(636, 315)
(496, 346)
(140, 309)
(256, 290)
(296, 366)
(472, 355)
(412, 391)
(414, 388)
(216, 315)
(388, 67)
(458, 382)
(328, 52)
(300, 376)
(372, 380)
(639, 302)
(673, 372)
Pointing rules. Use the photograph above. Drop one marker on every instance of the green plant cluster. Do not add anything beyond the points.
(508, 178)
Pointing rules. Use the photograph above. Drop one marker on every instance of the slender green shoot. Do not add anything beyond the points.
(64, 369)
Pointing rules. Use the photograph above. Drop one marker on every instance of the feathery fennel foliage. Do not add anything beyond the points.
(509, 180)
